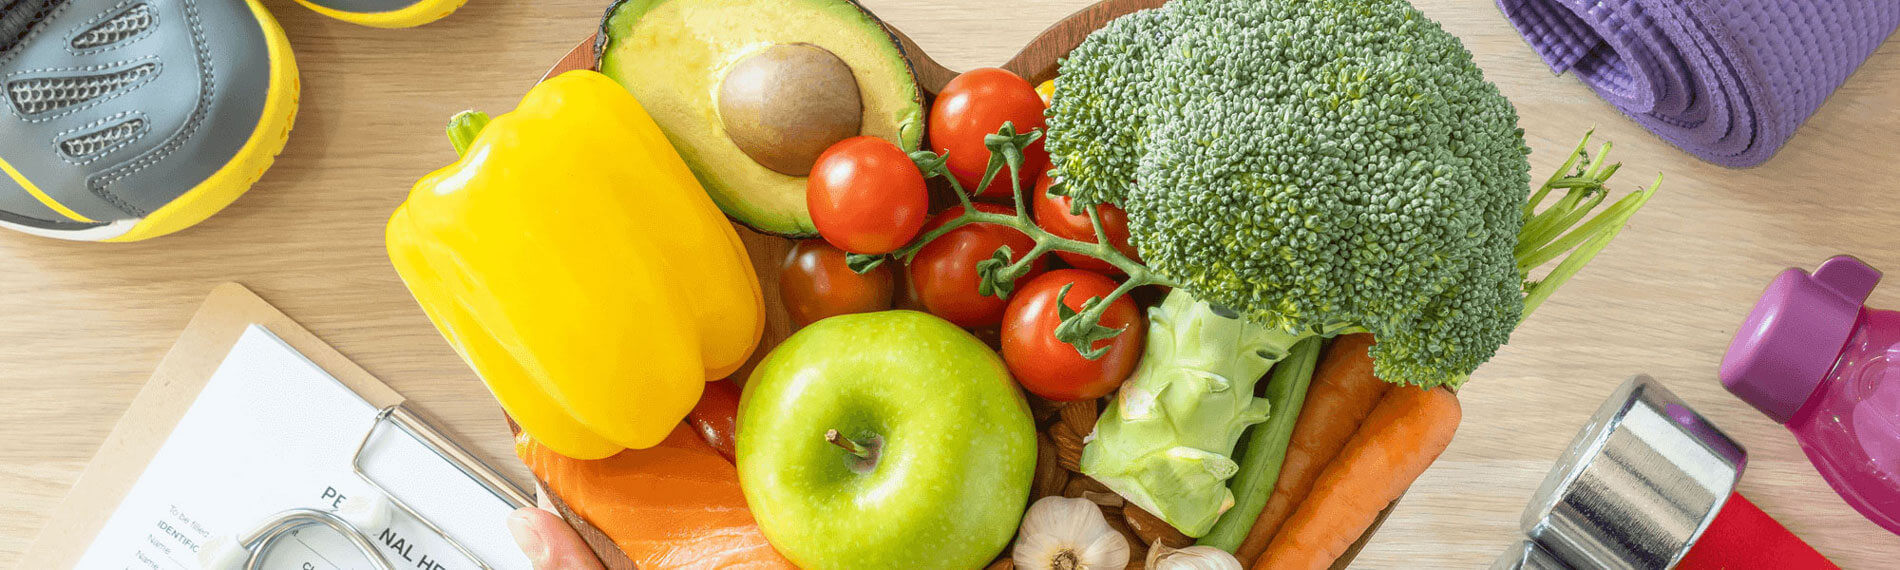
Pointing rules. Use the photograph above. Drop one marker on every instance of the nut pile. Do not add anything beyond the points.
(1063, 426)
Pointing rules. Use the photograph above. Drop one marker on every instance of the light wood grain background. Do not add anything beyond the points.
(82, 325)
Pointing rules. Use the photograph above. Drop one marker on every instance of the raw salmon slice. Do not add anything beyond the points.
(675, 505)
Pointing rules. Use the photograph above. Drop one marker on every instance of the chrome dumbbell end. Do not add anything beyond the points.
(1527, 555)
(1642, 480)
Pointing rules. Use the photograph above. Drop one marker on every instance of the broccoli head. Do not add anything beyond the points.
(1314, 166)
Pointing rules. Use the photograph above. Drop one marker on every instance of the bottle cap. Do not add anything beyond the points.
(1795, 334)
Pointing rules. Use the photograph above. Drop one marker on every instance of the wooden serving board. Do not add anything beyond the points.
(1036, 62)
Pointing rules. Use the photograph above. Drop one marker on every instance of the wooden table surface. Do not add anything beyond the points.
(84, 324)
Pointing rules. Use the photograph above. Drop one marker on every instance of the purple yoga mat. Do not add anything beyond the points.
(1726, 80)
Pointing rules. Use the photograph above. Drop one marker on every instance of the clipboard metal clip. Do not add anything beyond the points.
(403, 419)
(247, 550)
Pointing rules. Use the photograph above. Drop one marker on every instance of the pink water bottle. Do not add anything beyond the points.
(1813, 358)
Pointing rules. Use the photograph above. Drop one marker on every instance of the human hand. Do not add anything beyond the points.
(549, 542)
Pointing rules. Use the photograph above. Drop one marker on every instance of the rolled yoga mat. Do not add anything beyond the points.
(1726, 80)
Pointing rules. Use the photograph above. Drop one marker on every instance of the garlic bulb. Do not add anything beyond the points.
(1160, 557)
(1060, 533)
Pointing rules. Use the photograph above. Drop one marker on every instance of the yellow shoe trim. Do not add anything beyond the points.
(40, 195)
(229, 182)
(416, 14)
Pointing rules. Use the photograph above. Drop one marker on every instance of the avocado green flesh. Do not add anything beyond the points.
(673, 54)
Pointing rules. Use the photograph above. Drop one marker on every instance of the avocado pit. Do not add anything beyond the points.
(783, 105)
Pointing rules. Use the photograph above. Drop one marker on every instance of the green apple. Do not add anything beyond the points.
(885, 440)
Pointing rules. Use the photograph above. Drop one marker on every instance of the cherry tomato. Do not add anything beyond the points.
(943, 275)
(814, 283)
(975, 104)
(866, 196)
(1054, 369)
(713, 416)
(1052, 213)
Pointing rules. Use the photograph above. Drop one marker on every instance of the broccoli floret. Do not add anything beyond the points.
(1301, 168)
(1311, 165)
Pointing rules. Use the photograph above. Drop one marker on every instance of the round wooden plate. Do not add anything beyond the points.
(1036, 62)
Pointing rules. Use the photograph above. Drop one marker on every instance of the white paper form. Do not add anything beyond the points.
(271, 431)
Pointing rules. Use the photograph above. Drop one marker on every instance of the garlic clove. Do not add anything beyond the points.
(1108, 551)
(1161, 557)
(1060, 533)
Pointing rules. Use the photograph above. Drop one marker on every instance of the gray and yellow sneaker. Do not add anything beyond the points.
(132, 119)
(384, 13)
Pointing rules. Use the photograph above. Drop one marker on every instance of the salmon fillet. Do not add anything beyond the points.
(675, 505)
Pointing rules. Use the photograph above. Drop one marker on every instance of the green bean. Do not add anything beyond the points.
(1265, 447)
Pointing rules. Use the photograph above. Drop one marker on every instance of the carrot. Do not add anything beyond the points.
(1344, 391)
(1401, 438)
(674, 505)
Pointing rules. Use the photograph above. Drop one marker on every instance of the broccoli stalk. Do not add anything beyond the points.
(1176, 420)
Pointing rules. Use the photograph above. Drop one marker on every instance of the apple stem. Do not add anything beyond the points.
(849, 446)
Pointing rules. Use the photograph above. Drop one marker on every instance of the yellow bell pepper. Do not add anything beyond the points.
(575, 263)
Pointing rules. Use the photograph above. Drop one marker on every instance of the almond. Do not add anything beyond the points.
(1090, 484)
(1004, 563)
(1081, 486)
(1074, 489)
(1050, 477)
(1152, 529)
(1068, 445)
(1080, 415)
(1040, 408)
(1104, 499)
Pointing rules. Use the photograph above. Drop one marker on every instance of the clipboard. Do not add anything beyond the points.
(181, 375)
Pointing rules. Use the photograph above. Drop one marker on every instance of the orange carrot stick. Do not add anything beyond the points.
(1343, 392)
(1401, 438)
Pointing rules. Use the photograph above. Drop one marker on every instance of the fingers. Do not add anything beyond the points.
(549, 542)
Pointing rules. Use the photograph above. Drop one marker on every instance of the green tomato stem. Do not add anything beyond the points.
(1006, 150)
(1071, 332)
(1020, 267)
(1044, 241)
(1095, 221)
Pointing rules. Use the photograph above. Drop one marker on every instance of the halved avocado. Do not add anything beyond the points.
(750, 91)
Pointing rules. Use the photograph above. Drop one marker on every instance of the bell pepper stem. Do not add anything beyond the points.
(464, 127)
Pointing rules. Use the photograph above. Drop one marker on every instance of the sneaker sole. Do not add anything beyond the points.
(415, 15)
(236, 176)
